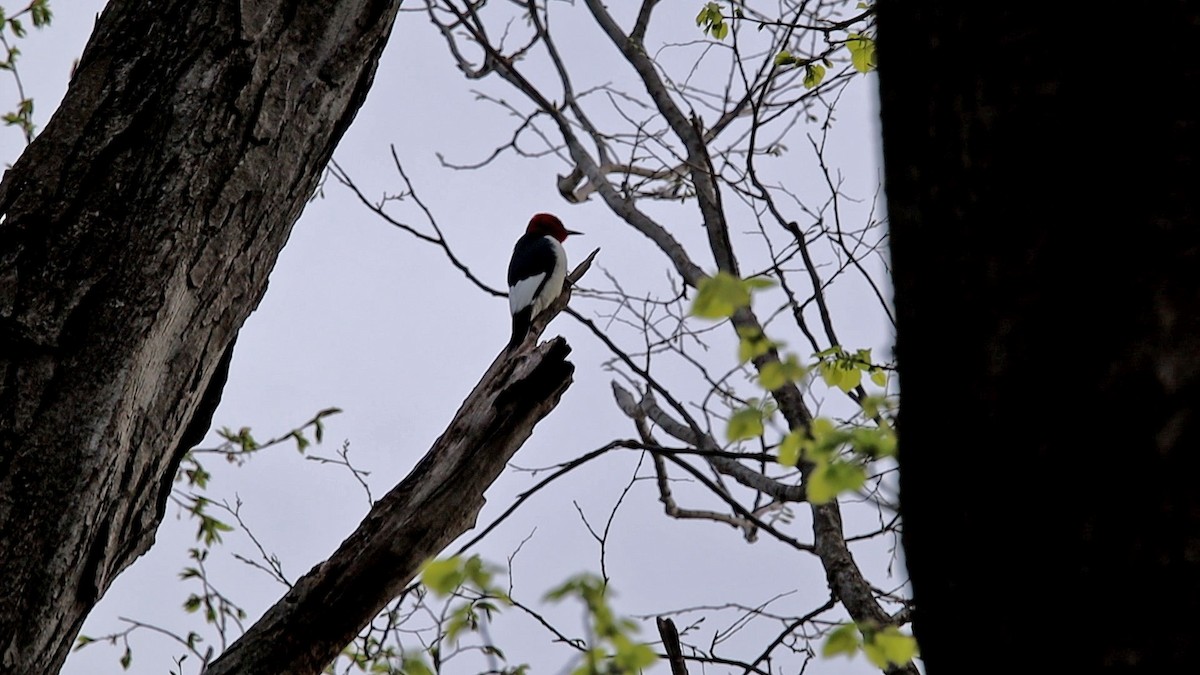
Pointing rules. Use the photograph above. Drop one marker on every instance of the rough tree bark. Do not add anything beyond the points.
(136, 234)
(1047, 265)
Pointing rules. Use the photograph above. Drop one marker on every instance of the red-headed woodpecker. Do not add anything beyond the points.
(536, 273)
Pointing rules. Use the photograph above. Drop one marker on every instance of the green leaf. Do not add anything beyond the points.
(487, 608)
(843, 640)
(874, 442)
(818, 488)
(719, 296)
(319, 425)
(830, 479)
(463, 619)
(242, 438)
(877, 405)
(890, 646)
(16, 27)
(862, 359)
(415, 665)
(82, 641)
(583, 585)
(591, 662)
(814, 73)
(210, 528)
(478, 573)
(126, 659)
(784, 58)
(887, 442)
(851, 378)
(862, 52)
(561, 591)
(771, 376)
(712, 22)
(443, 577)
(752, 343)
(840, 374)
(829, 373)
(491, 649)
(879, 377)
(791, 447)
(774, 375)
(197, 475)
(846, 476)
(821, 428)
(40, 11)
(744, 424)
(634, 657)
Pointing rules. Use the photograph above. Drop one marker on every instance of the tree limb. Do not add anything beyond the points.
(670, 638)
(436, 503)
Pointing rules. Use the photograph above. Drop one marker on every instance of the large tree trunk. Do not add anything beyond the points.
(1042, 182)
(138, 231)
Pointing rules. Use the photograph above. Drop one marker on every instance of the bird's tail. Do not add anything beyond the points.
(520, 327)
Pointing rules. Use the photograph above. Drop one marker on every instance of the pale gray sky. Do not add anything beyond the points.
(362, 316)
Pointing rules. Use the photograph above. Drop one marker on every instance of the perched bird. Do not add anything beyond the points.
(536, 272)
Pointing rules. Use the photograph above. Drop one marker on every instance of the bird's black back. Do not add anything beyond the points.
(524, 267)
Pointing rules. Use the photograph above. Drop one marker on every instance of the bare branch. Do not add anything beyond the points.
(689, 132)
(649, 407)
(670, 639)
(437, 239)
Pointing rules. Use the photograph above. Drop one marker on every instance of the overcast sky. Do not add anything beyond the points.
(361, 316)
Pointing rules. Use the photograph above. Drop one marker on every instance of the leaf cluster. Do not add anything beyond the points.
(472, 580)
(825, 446)
(836, 456)
(40, 15)
(883, 647)
(712, 22)
(844, 370)
(613, 649)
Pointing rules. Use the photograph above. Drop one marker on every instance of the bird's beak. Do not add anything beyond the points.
(573, 232)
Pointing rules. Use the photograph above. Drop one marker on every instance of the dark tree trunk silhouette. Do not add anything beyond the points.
(1041, 175)
(136, 234)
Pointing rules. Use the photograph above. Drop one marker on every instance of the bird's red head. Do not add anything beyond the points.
(549, 225)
